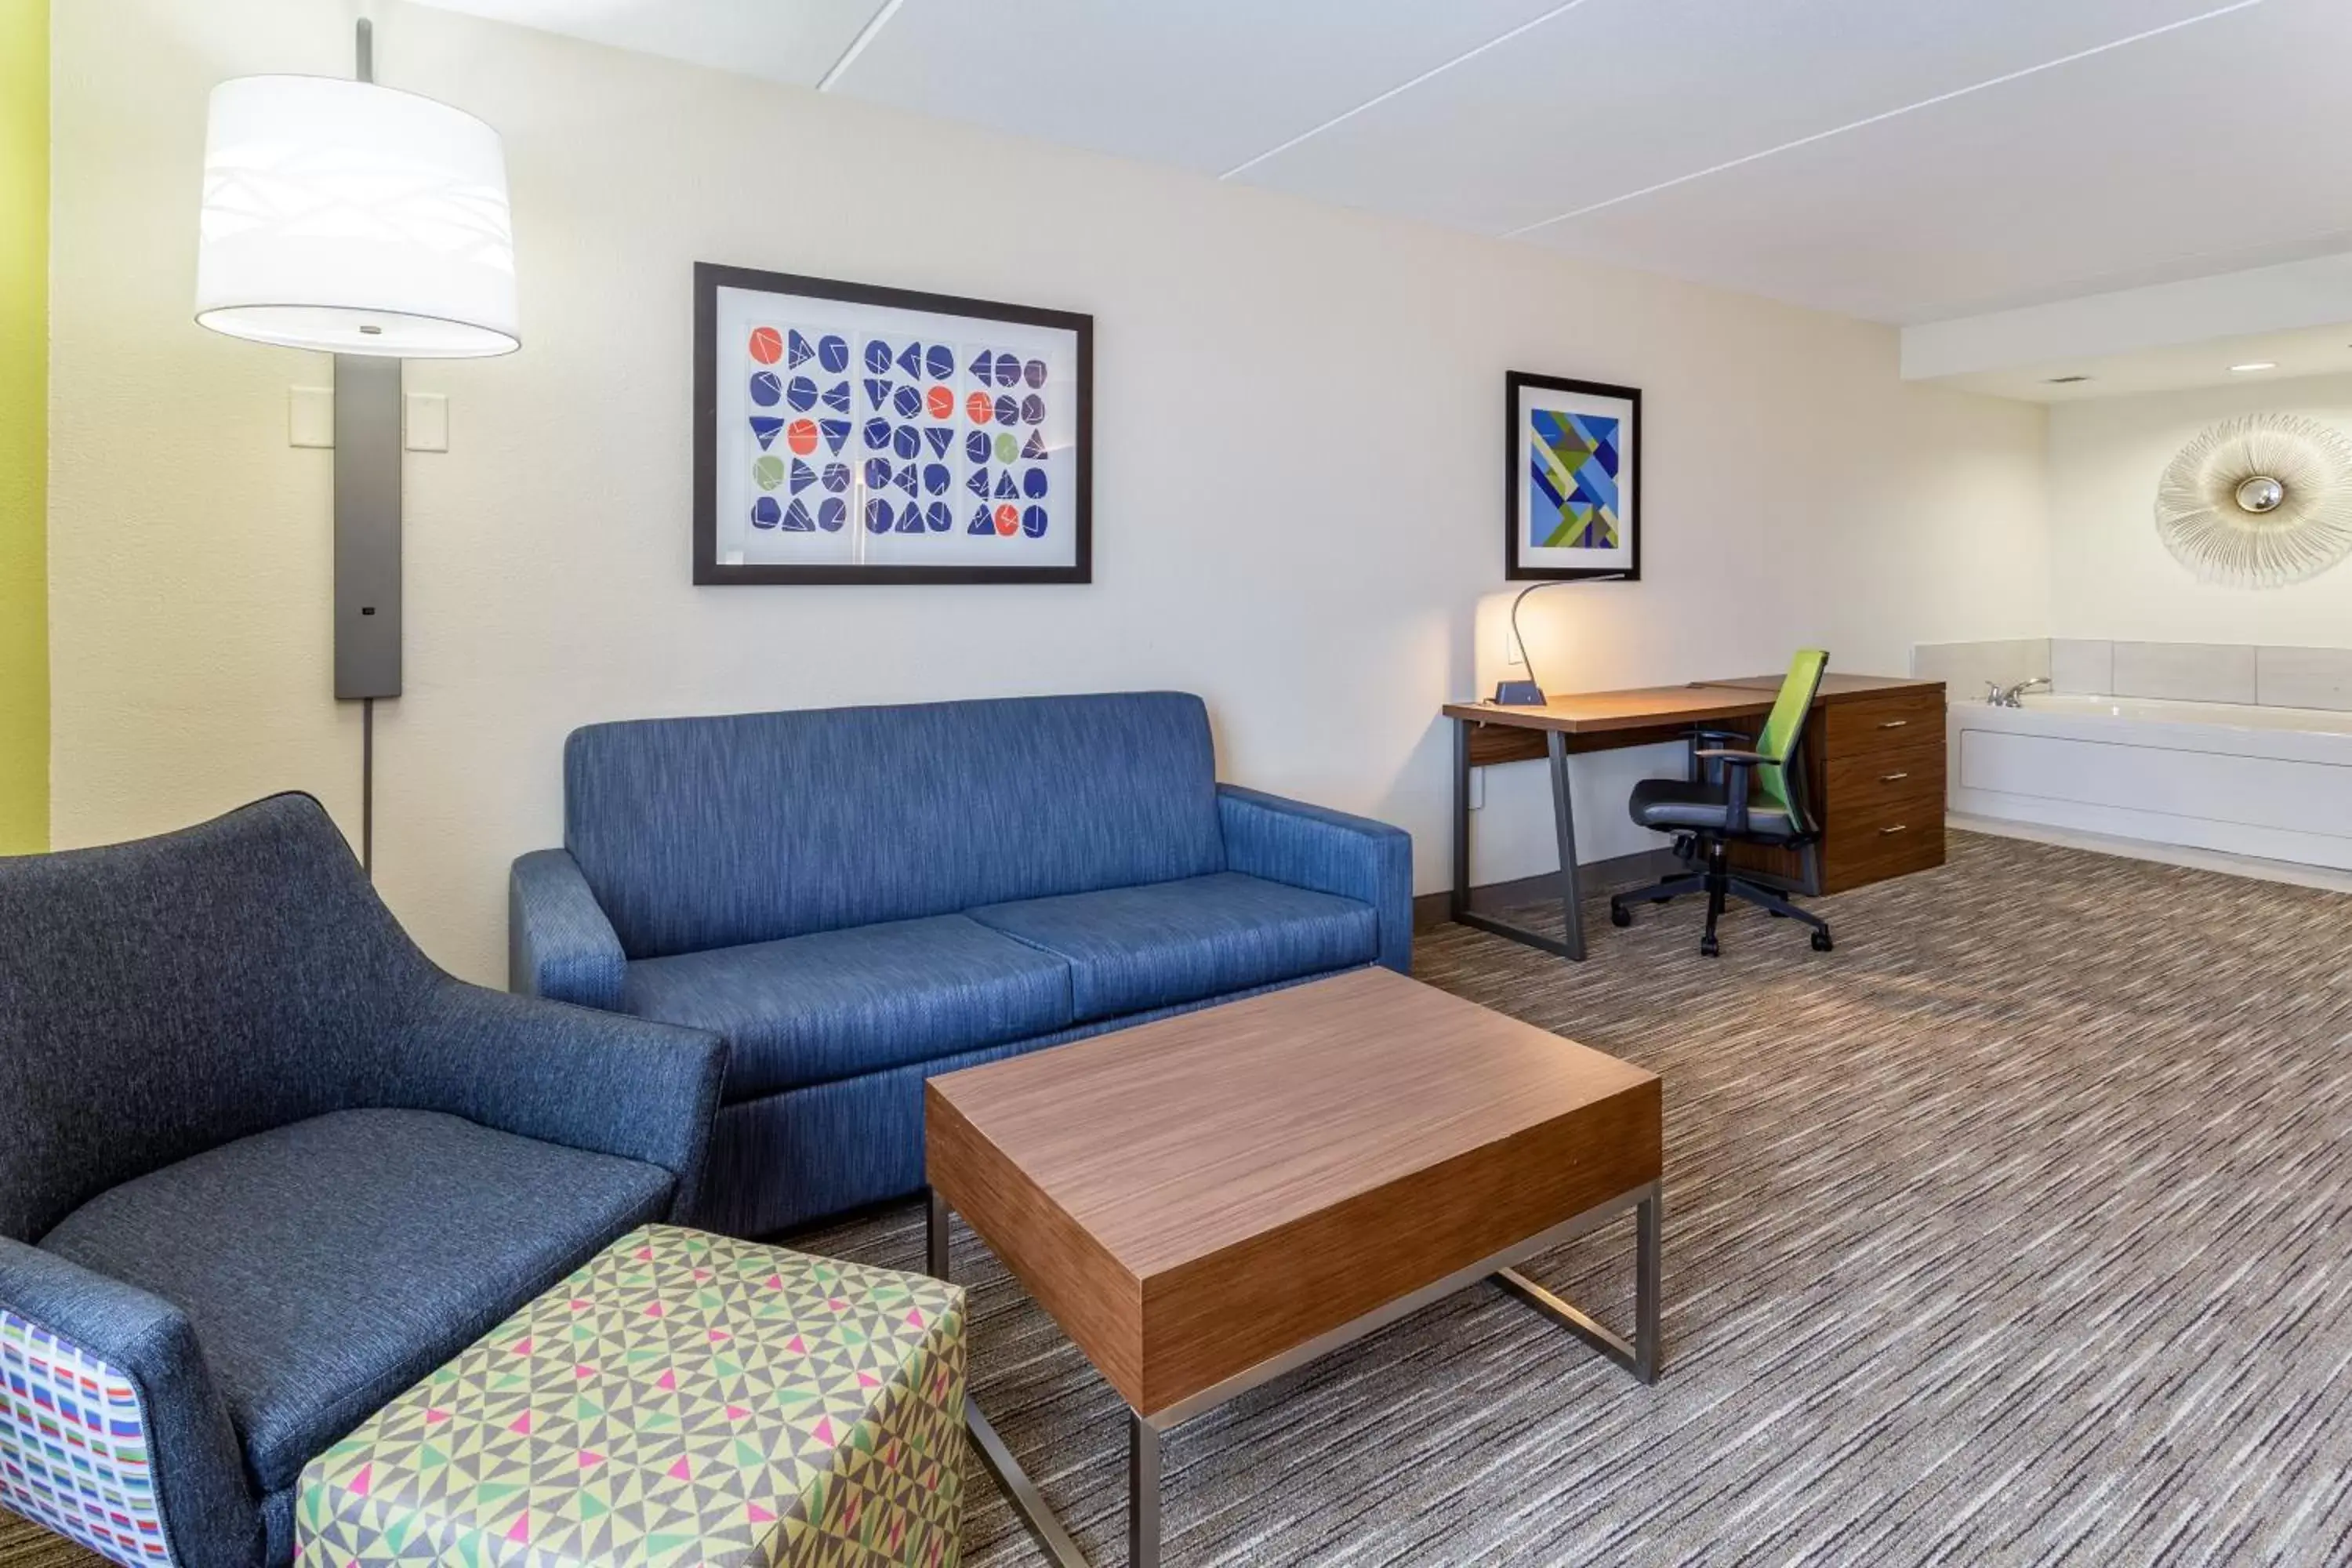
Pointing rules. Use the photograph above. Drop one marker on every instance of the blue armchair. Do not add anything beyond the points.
(860, 898)
(263, 1166)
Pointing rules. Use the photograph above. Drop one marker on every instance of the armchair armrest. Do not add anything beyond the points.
(125, 1406)
(1327, 852)
(605, 1082)
(559, 943)
(1740, 766)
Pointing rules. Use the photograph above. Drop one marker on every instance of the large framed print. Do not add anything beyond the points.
(846, 433)
(1573, 450)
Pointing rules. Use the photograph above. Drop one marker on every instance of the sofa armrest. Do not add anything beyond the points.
(559, 943)
(1329, 852)
(125, 1407)
(604, 1082)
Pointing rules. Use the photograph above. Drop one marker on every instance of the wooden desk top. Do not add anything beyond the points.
(1191, 1196)
(1649, 707)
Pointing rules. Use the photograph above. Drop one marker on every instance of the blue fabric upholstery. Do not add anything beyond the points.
(842, 894)
(210, 1517)
(788, 1159)
(175, 1009)
(703, 833)
(328, 1265)
(559, 943)
(1133, 949)
(1328, 851)
(840, 1002)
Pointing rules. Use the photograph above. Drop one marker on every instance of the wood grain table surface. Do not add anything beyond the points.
(1192, 1197)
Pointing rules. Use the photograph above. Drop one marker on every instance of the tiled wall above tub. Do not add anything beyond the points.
(1966, 667)
(2179, 671)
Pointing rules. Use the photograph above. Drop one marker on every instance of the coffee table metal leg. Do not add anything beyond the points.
(1019, 1490)
(1641, 1357)
(1142, 1493)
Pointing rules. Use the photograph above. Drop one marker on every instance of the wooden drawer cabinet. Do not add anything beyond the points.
(1876, 765)
(1876, 723)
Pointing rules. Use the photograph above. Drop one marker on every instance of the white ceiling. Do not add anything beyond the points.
(1897, 160)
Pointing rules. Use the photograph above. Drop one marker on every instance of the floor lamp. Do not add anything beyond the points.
(371, 225)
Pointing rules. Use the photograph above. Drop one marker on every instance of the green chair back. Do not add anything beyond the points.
(1787, 721)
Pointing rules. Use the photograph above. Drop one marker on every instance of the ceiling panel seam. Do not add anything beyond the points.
(1880, 118)
(874, 25)
(1403, 87)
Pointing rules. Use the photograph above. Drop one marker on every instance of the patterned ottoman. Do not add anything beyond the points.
(684, 1399)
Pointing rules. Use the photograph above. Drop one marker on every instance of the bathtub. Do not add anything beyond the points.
(2270, 782)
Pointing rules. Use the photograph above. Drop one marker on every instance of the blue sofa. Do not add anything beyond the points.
(263, 1166)
(858, 899)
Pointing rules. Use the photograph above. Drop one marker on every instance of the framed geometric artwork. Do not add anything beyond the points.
(844, 433)
(1574, 455)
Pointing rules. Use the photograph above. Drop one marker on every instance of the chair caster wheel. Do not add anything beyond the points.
(1821, 943)
(1619, 915)
(1776, 914)
(1709, 948)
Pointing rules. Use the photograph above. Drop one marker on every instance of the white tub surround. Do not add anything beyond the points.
(2275, 783)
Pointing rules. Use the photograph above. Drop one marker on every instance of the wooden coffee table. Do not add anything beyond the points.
(1215, 1199)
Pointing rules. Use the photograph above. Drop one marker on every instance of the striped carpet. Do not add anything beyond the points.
(2010, 1232)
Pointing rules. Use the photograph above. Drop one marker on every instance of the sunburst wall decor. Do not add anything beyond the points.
(2259, 501)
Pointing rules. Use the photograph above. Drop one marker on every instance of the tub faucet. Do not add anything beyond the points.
(2001, 696)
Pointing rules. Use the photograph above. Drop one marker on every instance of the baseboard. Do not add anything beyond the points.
(2324, 878)
(1600, 876)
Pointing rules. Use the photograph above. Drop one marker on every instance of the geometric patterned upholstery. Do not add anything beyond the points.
(681, 1399)
(73, 1447)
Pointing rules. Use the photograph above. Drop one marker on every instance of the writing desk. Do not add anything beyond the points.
(1875, 749)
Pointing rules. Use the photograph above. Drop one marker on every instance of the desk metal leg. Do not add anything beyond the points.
(1569, 943)
(1459, 904)
(1572, 892)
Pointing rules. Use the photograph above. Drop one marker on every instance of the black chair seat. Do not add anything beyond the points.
(1669, 805)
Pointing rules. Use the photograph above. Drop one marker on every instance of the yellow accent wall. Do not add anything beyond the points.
(24, 426)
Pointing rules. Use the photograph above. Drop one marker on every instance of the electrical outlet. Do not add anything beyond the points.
(425, 422)
(1478, 788)
(310, 417)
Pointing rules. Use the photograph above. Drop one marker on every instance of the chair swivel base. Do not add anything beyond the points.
(1718, 884)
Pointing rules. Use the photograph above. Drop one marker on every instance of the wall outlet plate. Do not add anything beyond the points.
(425, 421)
(310, 417)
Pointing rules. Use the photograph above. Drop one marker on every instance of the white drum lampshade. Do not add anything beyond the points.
(354, 219)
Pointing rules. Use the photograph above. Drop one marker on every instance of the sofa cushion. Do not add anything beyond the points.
(330, 1263)
(704, 832)
(812, 1009)
(1134, 948)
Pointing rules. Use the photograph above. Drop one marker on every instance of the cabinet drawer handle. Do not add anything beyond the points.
(1890, 778)
(1894, 723)
(1898, 827)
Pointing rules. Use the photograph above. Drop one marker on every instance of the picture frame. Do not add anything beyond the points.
(848, 433)
(1573, 456)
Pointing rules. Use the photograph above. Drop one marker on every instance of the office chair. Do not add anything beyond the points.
(1736, 795)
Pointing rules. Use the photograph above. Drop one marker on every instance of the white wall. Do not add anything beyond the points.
(2112, 576)
(1296, 504)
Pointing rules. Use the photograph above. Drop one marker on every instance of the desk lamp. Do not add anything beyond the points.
(371, 225)
(1527, 693)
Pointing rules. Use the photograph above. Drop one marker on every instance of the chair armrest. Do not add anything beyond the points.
(116, 1377)
(1739, 767)
(604, 1082)
(559, 943)
(1326, 852)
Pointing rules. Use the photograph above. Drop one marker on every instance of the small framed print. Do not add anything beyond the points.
(1574, 450)
(846, 433)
